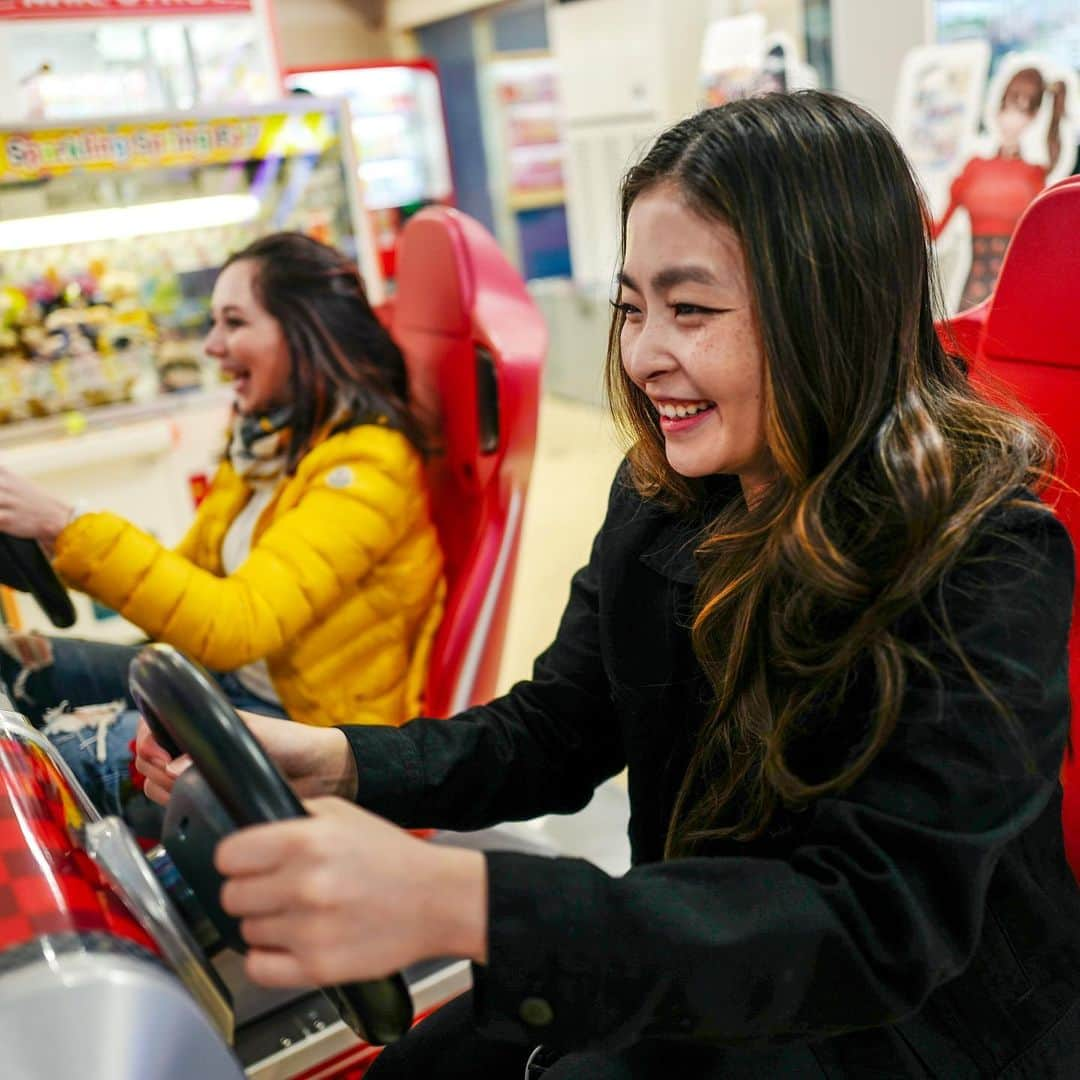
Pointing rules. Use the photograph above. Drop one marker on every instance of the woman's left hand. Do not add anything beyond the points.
(343, 895)
(28, 511)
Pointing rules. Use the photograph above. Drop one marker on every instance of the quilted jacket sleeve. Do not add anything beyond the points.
(188, 546)
(348, 516)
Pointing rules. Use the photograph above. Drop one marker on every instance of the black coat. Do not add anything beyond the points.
(924, 922)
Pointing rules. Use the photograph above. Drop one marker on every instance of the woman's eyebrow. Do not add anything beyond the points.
(671, 276)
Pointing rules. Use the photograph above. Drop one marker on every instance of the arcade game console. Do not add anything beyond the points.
(118, 963)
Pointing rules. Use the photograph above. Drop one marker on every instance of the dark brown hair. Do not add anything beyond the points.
(886, 459)
(345, 368)
(1038, 87)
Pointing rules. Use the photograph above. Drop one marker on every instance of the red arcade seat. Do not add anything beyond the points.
(1030, 343)
(474, 344)
(963, 333)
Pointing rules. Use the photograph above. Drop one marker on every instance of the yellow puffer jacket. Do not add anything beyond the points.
(341, 594)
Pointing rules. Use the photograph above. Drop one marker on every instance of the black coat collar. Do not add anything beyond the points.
(671, 552)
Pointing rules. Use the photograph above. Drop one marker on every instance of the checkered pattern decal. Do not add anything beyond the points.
(48, 885)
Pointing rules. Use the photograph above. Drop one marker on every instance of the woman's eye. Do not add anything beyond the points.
(625, 309)
(691, 309)
(232, 324)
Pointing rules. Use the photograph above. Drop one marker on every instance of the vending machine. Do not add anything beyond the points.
(399, 131)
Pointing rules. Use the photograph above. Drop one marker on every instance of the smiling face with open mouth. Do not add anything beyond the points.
(689, 339)
(248, 342)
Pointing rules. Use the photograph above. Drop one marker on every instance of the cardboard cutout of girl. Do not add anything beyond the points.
(1027, 104)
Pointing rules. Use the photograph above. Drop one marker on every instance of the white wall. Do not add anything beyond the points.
(627, 70)
(870, 38)
(313, 32)
(409, 14)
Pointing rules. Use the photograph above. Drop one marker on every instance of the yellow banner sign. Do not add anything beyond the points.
(28, 155)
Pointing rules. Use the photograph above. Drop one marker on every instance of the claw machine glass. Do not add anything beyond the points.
(79, 58)
(111, 235)
(400, 134)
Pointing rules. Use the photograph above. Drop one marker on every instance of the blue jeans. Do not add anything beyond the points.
(84, 673)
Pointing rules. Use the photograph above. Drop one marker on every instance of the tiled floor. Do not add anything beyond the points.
(575, 462)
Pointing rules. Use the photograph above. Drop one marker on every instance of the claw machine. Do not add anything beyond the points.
(81, 58)
(399, 128)
(111, 234)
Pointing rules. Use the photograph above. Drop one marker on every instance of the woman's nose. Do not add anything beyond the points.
(214, 342)
(647, 354)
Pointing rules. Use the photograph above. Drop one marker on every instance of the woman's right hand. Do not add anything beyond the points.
(315, 761)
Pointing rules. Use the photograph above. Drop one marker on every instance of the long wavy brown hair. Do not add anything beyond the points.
(886, 459)
(344, 367)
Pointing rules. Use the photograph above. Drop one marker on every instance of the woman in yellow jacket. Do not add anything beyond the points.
(311, 578)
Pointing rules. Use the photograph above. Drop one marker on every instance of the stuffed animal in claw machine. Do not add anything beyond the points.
(1031, 143)
(13, 305)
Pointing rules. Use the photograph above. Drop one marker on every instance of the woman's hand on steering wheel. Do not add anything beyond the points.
(310, 891)
(29, 512)
(315, 761)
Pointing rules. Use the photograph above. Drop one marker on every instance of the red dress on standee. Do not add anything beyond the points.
(994, 192)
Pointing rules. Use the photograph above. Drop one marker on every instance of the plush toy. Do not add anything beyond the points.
(179, 364)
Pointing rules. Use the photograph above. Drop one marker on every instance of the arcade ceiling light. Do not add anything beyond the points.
(125, 222)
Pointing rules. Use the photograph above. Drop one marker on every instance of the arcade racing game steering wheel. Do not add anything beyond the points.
(188, 713)
(24, 567)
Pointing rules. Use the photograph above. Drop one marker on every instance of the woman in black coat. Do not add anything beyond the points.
(824, 629)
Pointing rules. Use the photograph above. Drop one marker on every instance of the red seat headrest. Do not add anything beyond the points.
(1033, 314)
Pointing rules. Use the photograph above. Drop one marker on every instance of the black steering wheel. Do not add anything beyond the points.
(189, 714)
(24, 567)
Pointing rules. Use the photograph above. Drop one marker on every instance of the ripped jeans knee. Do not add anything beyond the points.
(59, 684)
(42, 672)
(22, 656)
(95, 743)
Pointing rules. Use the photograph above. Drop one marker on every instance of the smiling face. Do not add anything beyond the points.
(248, 342)
(689, 338)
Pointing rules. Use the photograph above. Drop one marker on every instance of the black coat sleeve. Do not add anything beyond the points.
(881, 898)
(542, 748)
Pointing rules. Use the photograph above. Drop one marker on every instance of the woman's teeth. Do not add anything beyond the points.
(690, 408)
